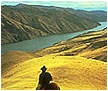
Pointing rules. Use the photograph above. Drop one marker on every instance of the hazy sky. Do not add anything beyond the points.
(85, 5)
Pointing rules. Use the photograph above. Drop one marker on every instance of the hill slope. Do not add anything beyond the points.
(12, 58)
(67, 61)
(90, 45)
(93, 15)
(24, 22)
(70, 72)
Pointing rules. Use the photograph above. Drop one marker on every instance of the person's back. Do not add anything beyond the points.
(44, 78)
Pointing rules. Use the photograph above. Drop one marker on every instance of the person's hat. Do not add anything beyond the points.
(43, 68)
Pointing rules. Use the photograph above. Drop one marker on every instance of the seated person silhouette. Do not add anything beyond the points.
(44, 78)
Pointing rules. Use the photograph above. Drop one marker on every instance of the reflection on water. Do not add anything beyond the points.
(42, 42)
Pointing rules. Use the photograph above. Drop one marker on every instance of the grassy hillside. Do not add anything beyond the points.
(12, 58)
(24, 22)
(70, 72)
(90, 45)
(75, 64)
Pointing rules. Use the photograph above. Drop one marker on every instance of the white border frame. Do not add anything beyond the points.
(49, 0)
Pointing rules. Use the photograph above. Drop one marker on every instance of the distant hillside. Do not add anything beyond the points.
(98, 15)
(22, 22)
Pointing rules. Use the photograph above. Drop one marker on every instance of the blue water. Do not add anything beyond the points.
(42, 42)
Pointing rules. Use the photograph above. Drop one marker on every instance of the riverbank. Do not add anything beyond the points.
(43, 42)
(24, 22)
(89, 45)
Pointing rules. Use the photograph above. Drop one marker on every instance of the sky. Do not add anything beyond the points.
(84, 5)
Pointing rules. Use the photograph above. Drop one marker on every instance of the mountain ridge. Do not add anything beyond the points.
(18, 24)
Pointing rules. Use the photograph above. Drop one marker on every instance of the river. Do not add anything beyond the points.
(42, 42)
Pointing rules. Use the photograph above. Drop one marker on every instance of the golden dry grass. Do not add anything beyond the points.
(72, 64)
(12, 58)
(89, 45)
(70, 72)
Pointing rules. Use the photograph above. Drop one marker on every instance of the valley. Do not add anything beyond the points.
(25, 22)
(68, 37)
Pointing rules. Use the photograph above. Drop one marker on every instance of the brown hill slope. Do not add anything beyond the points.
(26, 22)
(14, 31)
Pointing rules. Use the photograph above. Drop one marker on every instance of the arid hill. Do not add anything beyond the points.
(70, 72)
(75, 64)
(22, 22)
(90, 45)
